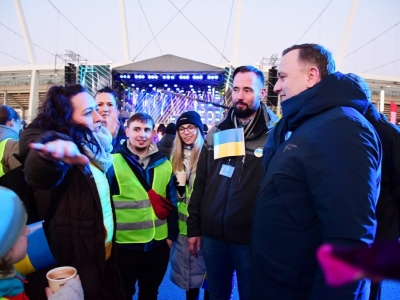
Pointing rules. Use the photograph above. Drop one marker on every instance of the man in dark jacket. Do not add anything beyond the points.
(221, 204)
(143, 238)
(387, 209)
(167, 142)
(321, 184)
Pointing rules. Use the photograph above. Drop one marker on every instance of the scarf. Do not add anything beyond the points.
(249, 126)
(103, 159)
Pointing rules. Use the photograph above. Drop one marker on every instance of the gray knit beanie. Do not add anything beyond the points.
(12, 220)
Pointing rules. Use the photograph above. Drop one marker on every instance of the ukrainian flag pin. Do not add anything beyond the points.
(258, 152)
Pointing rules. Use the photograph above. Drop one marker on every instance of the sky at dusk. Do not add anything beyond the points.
(266, 27)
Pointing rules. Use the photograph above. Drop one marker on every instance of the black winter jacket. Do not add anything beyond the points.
(166, 144)
(387, 209)
(76, 232)
(222, 207)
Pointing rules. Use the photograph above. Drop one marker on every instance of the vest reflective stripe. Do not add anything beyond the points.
(136, 220)
(2, 147)
(126, 203)
(140, 225)
(183, 213)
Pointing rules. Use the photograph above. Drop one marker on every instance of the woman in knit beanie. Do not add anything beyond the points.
(187, 271)
(13, 248)
(13, 243)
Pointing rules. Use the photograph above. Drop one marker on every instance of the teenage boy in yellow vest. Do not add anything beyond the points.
(143, 240)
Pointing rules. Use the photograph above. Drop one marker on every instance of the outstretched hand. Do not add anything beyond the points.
(60, 150)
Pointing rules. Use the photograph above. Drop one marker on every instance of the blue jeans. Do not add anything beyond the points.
(221, 260)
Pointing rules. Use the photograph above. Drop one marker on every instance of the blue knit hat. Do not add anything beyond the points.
(12, 220)
(190, 117)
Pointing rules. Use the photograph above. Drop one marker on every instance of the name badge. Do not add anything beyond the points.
(227, 171)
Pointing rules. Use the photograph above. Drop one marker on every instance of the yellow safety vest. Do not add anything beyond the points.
(183, 213)
(136, 220)
(2, 146)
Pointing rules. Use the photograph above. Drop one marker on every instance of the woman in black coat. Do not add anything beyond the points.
(66, 166)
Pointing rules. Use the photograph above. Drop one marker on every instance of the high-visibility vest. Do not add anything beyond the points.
(2, 147)
(183, 213)
(136, 220)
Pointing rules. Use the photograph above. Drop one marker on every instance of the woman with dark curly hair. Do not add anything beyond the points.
(67, 153)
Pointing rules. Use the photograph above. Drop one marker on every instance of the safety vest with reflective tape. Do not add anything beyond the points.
(136, 220)
(2, 147)
(183, 213)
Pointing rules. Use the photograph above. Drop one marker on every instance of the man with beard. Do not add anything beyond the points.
(142, 173)
(221, 203)
(323, 162)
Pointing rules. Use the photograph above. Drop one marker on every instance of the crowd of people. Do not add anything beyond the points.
(121, 202)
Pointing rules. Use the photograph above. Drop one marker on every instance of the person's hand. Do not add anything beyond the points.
(169, 242)
(194, 244)
(50, 293)
(111, 122)
(337, 271)
(60, 150)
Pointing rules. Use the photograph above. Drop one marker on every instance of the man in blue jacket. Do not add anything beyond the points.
(322, 180)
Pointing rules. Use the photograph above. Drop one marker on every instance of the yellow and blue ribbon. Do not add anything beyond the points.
(38, 254)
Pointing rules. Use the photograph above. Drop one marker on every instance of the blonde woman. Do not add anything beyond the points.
(187, 271)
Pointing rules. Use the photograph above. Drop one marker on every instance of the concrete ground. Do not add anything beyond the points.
(169, 291)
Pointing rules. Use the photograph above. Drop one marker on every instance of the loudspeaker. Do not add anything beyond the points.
(272, 97)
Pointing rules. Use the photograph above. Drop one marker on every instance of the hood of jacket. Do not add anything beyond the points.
(7, 132)
(334, 90)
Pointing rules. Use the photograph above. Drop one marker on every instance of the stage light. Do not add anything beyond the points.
(180, 76)
(168, 89)
(175, 85)
(150, 85)
(137, 88)
(172, 77)
(164, 77)
(168, 77)
(190, 86)
(156, 76)
(165, 85)
(192, 90)
(129, 76)
(209, 86)
(133, 84)
(154, 88)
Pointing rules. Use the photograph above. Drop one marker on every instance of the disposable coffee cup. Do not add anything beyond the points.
(58, 277)
(181, 177)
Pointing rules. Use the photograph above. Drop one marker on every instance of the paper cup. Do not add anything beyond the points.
(181, 177)
(58, 277)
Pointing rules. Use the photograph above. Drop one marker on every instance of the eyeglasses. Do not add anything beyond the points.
(189, 129)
